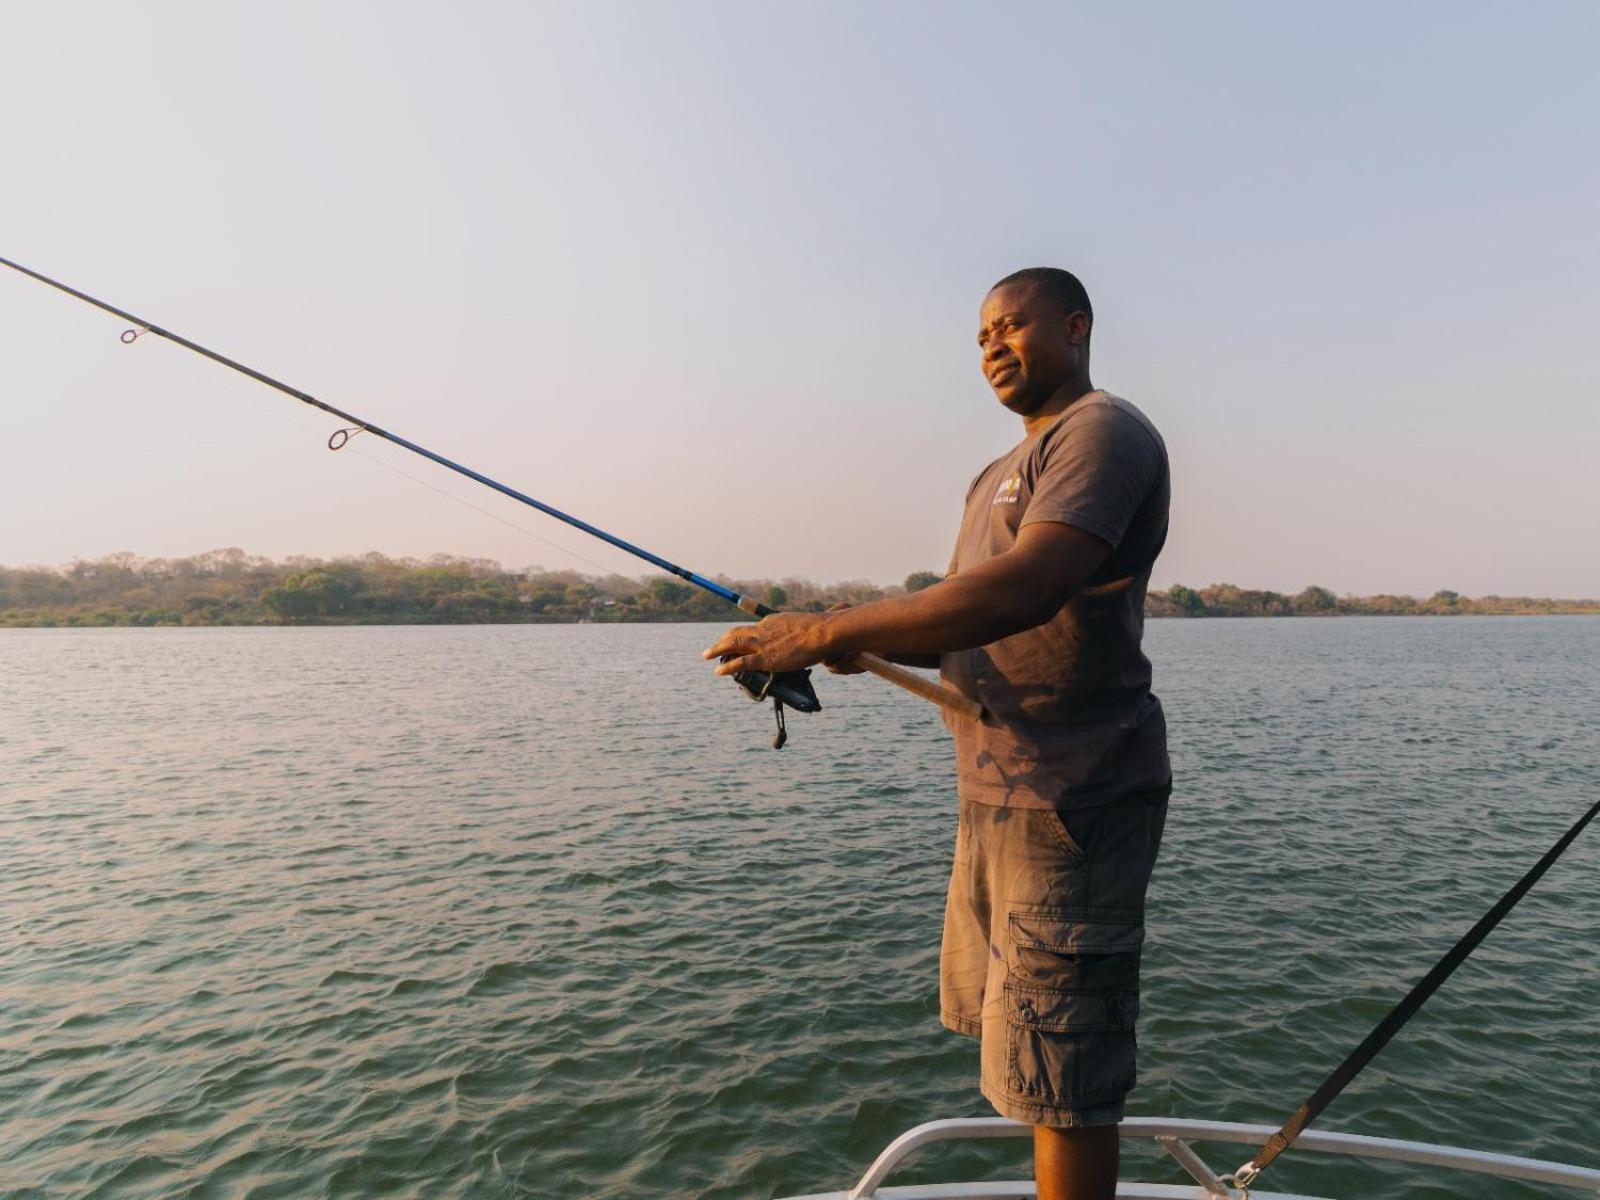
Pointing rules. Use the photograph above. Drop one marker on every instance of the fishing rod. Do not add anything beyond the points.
(792, 688)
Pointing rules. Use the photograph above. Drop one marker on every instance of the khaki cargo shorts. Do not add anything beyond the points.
(1042, 933)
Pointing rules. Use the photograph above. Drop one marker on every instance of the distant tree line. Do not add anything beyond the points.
(230, 587)
(1227, 600)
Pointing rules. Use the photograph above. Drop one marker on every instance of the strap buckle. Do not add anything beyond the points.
(1242, 1179)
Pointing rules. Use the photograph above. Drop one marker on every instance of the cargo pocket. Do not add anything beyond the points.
(1071, 1003)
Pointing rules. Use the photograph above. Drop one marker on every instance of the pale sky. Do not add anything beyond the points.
(707, 275)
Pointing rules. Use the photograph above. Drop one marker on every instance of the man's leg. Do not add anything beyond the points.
(1075, 1164)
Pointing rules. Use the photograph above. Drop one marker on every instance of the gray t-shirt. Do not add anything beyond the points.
(1072, 721)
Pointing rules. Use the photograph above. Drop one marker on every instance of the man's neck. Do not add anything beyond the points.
(1063, 398)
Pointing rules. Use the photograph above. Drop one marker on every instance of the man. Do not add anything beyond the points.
(1064, 784)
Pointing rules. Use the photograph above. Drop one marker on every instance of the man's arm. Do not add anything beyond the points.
(846, 665)
(1014, 591)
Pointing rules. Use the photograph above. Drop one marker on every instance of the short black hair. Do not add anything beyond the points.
(1063, 287)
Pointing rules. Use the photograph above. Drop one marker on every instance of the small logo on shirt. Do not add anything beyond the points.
(1009, 490)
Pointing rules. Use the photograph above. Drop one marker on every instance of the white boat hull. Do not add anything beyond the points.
(1174, 1135)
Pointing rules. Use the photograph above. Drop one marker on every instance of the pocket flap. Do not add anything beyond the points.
(1069, 931)
(1070, 1012)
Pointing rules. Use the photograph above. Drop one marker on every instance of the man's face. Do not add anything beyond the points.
(1031, 348)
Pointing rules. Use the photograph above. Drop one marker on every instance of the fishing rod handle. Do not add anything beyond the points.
(921, 685)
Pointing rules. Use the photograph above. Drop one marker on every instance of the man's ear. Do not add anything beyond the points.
(1078, 324)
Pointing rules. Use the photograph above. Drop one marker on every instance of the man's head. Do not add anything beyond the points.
(1033, 330)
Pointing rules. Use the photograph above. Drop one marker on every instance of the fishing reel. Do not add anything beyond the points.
(786, 687)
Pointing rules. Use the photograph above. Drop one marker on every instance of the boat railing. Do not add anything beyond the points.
(1174, 1135)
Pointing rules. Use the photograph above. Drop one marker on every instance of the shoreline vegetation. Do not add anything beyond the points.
(230, 587)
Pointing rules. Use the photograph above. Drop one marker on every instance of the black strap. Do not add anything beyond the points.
(1403, 1012)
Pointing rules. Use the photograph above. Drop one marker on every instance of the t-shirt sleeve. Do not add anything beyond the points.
(1099, 468)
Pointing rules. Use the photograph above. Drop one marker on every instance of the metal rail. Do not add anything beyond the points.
(1174, 1134)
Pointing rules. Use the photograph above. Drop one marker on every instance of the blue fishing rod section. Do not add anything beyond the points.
(710, 585)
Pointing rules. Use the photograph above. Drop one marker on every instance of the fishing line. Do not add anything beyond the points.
(278, 412)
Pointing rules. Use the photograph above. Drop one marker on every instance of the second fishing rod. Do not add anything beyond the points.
(791, 688)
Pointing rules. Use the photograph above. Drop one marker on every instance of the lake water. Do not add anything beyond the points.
(534, 911)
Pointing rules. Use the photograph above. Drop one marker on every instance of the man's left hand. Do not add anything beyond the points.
(784, 641)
